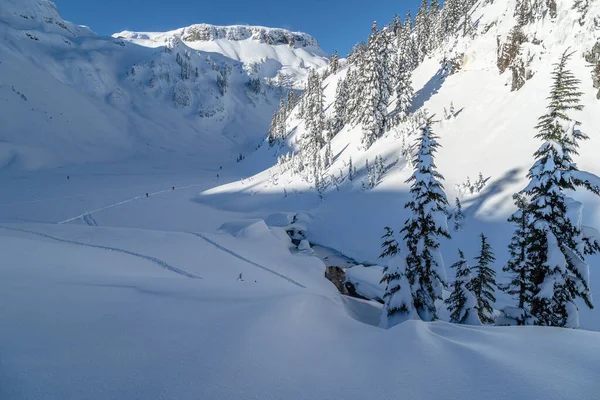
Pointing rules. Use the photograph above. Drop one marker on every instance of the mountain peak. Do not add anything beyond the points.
(207, 32)
(40, 15)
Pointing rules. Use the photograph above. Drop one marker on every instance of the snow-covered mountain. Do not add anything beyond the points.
(496, 99)
(120, 280)
(277, 54)
(70, 96)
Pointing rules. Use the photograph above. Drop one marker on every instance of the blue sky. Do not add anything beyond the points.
(337, 24)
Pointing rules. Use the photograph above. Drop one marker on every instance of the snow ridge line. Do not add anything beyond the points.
(83, 216)
(154, 260)
(236, 255)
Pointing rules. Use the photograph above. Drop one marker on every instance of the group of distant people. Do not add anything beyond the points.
(147, 194)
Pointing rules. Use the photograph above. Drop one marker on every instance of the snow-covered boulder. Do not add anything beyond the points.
(367, 281)
(246, 228)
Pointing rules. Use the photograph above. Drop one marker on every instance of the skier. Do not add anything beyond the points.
(173, 188)
(146, 194)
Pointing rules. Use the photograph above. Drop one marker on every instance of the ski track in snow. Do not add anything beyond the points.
(236, 255)
(89, 213)
(89, 220)
(161, 263)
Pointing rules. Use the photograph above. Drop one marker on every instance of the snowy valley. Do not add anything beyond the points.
(179, 211)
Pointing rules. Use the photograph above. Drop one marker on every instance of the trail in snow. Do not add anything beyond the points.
(154, 260)
(89, 220)
(88, 213)
(236, 255)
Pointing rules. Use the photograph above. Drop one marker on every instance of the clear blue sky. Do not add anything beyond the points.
(336, 24)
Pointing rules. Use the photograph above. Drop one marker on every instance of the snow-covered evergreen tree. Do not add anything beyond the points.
(422, 29)
(314, 117)
(518, 266)
(396, 25)
(407, 43)
(435, 26)
(351, 170)
(403, 88)
(291, 101)
(483, 284)
(272, 136)
(423, 229)
(334, 63)
(555, 243)
(390, 245)
(340, 107)
(376, 87)
(462, 302)
(451, 14)
(398, 306)
(458, 215)
(328, 156)
(281, 120)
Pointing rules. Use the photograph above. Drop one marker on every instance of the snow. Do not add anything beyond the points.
(107, 324)
(198, 292)
(492, 133)
(366, 280)
(247, 44)
(71, 97)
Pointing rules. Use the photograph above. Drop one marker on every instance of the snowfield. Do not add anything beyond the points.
(139, 260)
(139, 307)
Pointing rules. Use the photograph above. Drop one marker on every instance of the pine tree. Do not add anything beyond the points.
(452, 13)
(334, 63)
(272, 137)
(518, 266)
(379, 168)
(340, 106)
(314, 117)
(398, 298)
(390, 245)
(403, 88)
(523, 12)
(355, 92)
(435, 26)
(422, 230)
(375, 81)
(423, 29)
(396, 25)
(290, 101)
(328, 159)
(281, 120)
(351, 170)
(483, 284)
(555, 243)
(458, 215)
(462, 302)
(408, 46)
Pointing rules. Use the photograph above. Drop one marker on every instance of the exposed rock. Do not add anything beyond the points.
(206, 32)
(337, 276)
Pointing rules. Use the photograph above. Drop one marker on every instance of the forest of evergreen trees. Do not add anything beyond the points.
(547, 267)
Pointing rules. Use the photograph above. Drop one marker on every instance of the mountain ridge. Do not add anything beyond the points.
(107, 99)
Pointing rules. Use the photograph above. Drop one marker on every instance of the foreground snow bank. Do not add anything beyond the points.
(88, 322)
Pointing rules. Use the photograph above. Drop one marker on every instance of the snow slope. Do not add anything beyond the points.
(274, 53)
(119, 280)
(86, 319)
(71, 97)
(492, 133)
